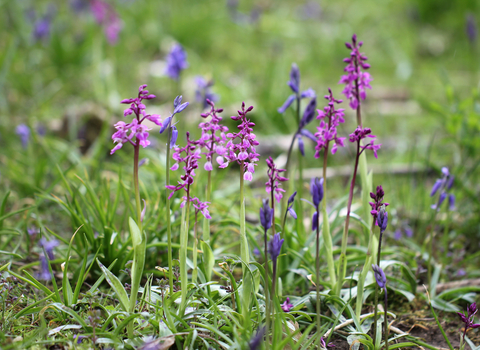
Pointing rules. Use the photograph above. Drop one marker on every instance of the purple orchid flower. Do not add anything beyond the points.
(286, 306)
(468, 319)
(244, 151)
(330, 120)
(213, 137)
(126, 132)
(356, 80)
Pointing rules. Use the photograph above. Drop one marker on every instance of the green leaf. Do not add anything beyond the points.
(208, 259)
(134, 232)
(116, 286)
(12, 254)
(443, 305)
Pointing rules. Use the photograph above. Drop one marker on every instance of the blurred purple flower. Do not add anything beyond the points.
(471, 28)
(106, 16)
(356, 81)
(79, 5)
(23, 132)
(203, 93)
(408, 232)
(461, 272)
(397, 235)
(443, 186)
(286, 306)
(256, 251)
(48, 246)
(44, 273)
(257, 340)
(176, 62)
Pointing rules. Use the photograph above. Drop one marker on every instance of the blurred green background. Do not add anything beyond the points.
(57, 69)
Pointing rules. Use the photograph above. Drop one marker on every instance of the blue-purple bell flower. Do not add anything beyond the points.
(266, 214)
(382, 219)
(379, 276)
(316, 190)
(290, 209)
(275, 246)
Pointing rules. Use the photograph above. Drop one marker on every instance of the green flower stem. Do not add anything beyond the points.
(375, 316)
(298, 203)
(385, 323)
(135, 181)
(363, 274)
(274, 293)
(195, 252)
(342, 266)
(183, 254)
(317, 275)
(206, 223)
(139, 248)
(267, 296)
(327, 238)
(272, 198)
(244, 251)
(167, 211)
(287, 166)
(430, 250)
(379, 253)
(446, 241)
(247, 284)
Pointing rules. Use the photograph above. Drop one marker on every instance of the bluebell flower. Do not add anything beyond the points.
(308, 114)
(315, 221)
(44, 273)
(203, 93)
(379, 276)
(256, 341)
(178, 107)
(290, 209)
(23, 132)
(48, 246)
(266, 214)
(174, 137)
(382, 219)
(443, 186)
(176, 62)
(275, 246)
(316, 190)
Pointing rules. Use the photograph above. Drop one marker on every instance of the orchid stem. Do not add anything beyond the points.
(167, 211)
(342, 266)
